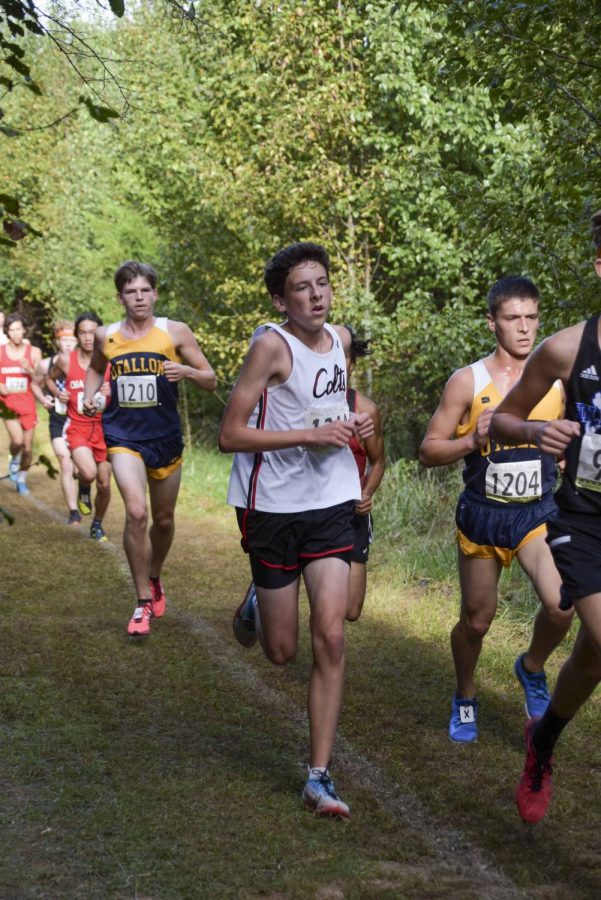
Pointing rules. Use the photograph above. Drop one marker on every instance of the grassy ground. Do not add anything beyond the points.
(172, 767)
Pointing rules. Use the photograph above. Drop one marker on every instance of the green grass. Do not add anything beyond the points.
(172, 767)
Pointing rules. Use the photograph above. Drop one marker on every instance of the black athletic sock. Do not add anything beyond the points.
(547, 732)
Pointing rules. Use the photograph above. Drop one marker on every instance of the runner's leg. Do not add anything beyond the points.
(327, 583)
(61, 451)
(103, 490)
(130, 475)
(27, 452)
(551, 623)
(357, 588)
(83, 458)
(581, 672)
(163, 497)
(478, 580)
(278, 611)
(15, 436)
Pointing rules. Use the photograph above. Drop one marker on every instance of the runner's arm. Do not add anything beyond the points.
(94, 373)
(36, 390)
(57, 372)
(39, 379)
(376, 455)
(553, 359)
(439, 447)
(196, 367)
(268, 361)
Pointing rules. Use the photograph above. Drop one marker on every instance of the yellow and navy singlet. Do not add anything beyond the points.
(500, 472)
(143, 403)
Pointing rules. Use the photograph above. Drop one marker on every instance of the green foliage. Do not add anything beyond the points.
(432, 147)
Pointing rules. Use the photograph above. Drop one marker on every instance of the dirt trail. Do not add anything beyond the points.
(205, 575)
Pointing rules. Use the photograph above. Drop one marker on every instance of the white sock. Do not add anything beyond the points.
(316, 771)
(22, 476)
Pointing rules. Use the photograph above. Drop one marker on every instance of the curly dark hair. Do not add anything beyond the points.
(280, 265)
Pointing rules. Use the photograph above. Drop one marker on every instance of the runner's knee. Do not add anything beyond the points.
(476, 624)
(329, 645)
(281, 653)
(136, 515)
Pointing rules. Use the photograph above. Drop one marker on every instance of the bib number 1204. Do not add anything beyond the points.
(514, 482)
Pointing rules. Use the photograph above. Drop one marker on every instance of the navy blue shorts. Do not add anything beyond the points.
(575, 542)
(56, 424)
(280, 545)
(504, 525)
(161, 455)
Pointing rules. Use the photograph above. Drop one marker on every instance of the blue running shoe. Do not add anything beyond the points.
(244, 619)
(463, 726)
(22, 488)
(14, 465)
(535, 688)
(319, 795)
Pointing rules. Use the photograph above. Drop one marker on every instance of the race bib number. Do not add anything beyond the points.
(138, 390)
(514, 482)
(316, 416)
(16, 384)
(99, 402)
(588, 474)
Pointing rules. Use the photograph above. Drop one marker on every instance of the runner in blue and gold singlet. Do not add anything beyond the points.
(148, 356)
(506, 501)
(142, 418)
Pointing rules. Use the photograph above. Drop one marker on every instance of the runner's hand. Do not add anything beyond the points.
(89, 407)
(334, 434)
(483, 427)
(364, 506)
(174, 371)
(555, 436)
(364, 427)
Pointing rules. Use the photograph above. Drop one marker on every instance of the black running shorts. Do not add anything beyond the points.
(363, 527)
(280, 545)
(56, 424)
(575, 542)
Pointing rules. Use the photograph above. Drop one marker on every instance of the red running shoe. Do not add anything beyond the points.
(159, 600)
(139, 623)
(533, 793)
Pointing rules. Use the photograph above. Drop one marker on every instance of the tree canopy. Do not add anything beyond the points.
(430, 147)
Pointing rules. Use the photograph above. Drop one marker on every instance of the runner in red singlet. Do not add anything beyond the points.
(18, 394)
(83, 434)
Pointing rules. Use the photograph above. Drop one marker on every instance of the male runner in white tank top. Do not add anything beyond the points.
(294, 484)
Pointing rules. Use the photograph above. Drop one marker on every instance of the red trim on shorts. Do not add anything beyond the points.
(244, 518)
(325, 553)
(275, 566)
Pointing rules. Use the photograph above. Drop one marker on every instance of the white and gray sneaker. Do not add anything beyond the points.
(243, 625)
(319, 795)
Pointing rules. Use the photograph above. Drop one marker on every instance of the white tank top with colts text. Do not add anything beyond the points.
(299, 478)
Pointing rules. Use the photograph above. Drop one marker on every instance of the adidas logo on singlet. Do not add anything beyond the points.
(590, 374)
